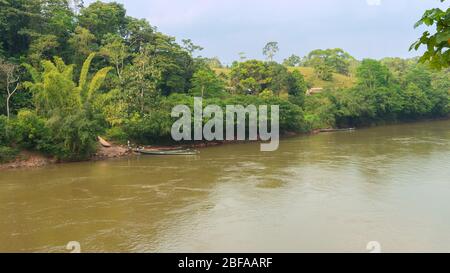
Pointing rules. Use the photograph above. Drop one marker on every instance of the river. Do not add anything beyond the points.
(330, 192)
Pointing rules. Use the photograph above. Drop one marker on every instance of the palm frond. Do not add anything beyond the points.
(97, 81)
(85, 71)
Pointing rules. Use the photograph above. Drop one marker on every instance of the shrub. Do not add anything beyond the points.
(117, 133)
(7, 154)
(156, 126)
(74, 136)
(30, 132)
(151, 128)
(5, 138)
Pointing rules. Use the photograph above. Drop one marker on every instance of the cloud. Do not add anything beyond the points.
(373, 2)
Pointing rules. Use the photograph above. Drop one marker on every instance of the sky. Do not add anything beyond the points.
(364, 28)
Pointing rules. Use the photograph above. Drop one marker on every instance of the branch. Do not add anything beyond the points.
(15, 89)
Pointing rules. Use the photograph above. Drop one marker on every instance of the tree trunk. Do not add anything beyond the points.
(7, 104)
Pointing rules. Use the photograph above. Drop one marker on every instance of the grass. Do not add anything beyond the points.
(339, 80)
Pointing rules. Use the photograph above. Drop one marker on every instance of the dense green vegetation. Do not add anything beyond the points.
(70, 73)
(379, 96)
(437, 43)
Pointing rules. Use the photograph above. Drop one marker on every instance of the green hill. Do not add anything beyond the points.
(339, 80)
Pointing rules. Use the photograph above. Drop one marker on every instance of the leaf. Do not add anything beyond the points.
(443, 37)
(35, 75)
(97, 81)
(85, 71)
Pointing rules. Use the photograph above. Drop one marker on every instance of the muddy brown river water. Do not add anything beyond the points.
(329, 192)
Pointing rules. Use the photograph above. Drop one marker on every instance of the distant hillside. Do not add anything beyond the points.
(339, 81)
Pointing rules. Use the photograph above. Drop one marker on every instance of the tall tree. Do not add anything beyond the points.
(104, 18)
(337, 59)
(10, 74)
(190, 47)
(116, 51)
(292, 60)
(270, 50)
(82, 44)
(143, 77)
(205, 83)
(372, 74)
(35, 28)
(297, 88)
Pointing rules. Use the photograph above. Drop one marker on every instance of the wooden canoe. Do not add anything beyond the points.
(168, 152)
(103, 142)
(336, 130)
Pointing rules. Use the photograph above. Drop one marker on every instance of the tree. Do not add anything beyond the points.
(419, 76)
(83, 43)
(190, 47)
(337, 59)
(10, 73)
(297, 88)
(398, 66)
(213, 62)
(293, 60)
(206, 84)
(66, 107)
(43, 25)
(415, 101)
(253, 77)
(116, 52)
(56, 93)
(438, 43)
(323, 71)
(139, 33)
(41, 47)
(270, 49)
(372, 74)
(249, 77)
(104, 18)
(143, 77)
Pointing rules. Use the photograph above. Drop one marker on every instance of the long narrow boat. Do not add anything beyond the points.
(336, 130)
(168, 152)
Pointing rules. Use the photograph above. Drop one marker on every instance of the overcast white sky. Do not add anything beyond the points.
(365, 28)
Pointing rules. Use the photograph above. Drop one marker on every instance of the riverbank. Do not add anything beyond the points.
(28, 159)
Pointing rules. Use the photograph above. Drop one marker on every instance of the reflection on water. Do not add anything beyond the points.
(330, 192)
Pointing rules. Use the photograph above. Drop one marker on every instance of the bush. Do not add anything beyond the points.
(7, 154)
(74, 136)
(30, 132)
(151, 128)
(5, 138)
(320, 111)
(156, 126)
(117, 134)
